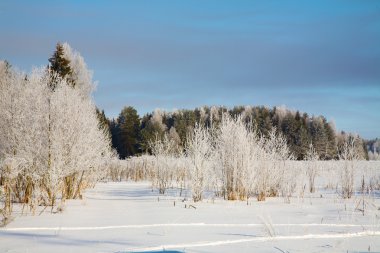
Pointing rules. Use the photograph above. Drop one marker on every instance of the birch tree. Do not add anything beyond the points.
(312, 158)
(198, 150)
(349, 157)
(49, 132)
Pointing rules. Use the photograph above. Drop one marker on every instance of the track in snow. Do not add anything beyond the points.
(254, 239)
(178, 225)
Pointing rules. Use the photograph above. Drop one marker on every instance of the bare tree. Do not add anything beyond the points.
(235, 153)
(349, 157)
(198, 150)
(274, 175)
(164, 150)
(312, 158)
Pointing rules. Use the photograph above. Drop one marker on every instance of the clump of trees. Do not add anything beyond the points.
(235, 153)
(52, 145)
(132, 136)
(229, 159)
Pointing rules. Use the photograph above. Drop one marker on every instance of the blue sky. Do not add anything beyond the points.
(320, 57)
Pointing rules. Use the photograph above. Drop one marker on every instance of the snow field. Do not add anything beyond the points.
(129, 217)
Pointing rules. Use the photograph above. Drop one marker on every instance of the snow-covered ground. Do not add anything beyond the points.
(130, 217)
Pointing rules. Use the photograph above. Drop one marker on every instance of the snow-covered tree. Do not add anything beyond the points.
(81, 76)
(349, 155)
(312, 158)
(199, 150)
(51, 144)
(21, 140)
(234, 153)
(375, 156)
(173, 136)
(274, 176)
(70, 65)
(78, 144)
(165, 153)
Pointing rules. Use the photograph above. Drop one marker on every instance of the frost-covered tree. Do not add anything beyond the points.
(80, 76)
(51, 143)
(199, 150)
(203, 115)
(164, 150)
(173, 135)
(60, 64)
(312, 159)
(70, 65)
(349, 155)
(214, 116)
(17, 115)
(373, 155)
(234, 153)
(153, 127)
(78, 143)
(274, 175)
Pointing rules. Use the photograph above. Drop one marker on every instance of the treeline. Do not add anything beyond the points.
(131, 135)
(233, 161)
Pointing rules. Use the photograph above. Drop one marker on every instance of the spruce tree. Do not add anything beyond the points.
(104, 123)
(60, 65)
(184, 123)
(331, 145)
(319, 136)
(128, 131)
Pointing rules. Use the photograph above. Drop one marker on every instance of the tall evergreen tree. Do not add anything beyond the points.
(318, 135)
(184, 123)
(149, 132)
(128, 132)
(103, 121)
(60, 65)
(331, 145)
